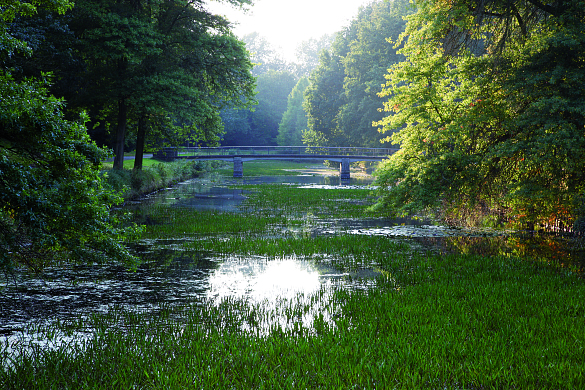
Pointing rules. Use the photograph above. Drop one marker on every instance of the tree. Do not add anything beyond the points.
(294, 119)
(54, 204)
(491, 100)
(324, 96)
(342, 99)
(369, 56)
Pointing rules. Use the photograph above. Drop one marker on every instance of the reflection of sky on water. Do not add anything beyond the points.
(264, 279)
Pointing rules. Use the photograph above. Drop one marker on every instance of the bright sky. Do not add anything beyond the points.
(287, 23)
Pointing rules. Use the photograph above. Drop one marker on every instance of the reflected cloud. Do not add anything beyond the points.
(264, 279)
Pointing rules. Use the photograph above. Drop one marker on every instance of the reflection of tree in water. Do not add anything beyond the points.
(560, 250)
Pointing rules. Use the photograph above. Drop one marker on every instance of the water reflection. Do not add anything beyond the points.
(222, 196)
(259, 279)
(175, 277)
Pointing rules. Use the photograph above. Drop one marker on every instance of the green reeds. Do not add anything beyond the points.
(266, 207)
(458, 321)
(274, 168)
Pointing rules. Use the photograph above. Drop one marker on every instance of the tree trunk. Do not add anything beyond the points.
(140, 137)
(120, 134)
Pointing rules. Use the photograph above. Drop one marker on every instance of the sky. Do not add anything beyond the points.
(287, 23)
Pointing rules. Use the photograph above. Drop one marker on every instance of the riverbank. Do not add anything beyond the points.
(155, 176)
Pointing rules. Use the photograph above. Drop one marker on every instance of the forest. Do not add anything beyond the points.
(483, 97)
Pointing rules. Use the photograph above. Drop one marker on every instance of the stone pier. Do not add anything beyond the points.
(344, 170)
(238, 167)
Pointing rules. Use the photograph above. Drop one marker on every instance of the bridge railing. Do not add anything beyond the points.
(293, 150)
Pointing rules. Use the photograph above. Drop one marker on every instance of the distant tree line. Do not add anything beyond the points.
(276, 78)
(330, 96)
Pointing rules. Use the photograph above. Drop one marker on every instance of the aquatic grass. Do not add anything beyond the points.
(165, 222)
(349, 252)
(291, 200)
(457, 321)
(266, 207)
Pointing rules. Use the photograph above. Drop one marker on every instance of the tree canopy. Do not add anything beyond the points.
(160, 69)
(488, 109)
(342, 99)
(54, 205)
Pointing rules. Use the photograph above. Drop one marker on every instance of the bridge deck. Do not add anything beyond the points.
(277, 152)
(344, 155)
(249, 157)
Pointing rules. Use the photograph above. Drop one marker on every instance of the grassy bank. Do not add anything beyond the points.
(457, 321)
(154, 175)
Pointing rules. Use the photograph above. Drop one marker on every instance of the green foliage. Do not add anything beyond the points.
(492, 106)
(294, 119)
(150, 71)
(260, 126)
(54, 204)
(342, 100)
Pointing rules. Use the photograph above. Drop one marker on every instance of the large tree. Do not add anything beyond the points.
(53, 206)
(491, 98)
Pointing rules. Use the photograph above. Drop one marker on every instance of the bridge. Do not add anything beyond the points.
(238, 154)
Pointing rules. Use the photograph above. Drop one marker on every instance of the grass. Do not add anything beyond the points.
(457, 321)
(267, 207)
(129, 163)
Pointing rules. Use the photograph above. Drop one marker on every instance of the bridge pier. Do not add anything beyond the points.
(344, 171)
(238, 167)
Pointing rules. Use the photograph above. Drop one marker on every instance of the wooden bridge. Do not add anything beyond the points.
(238, 154)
